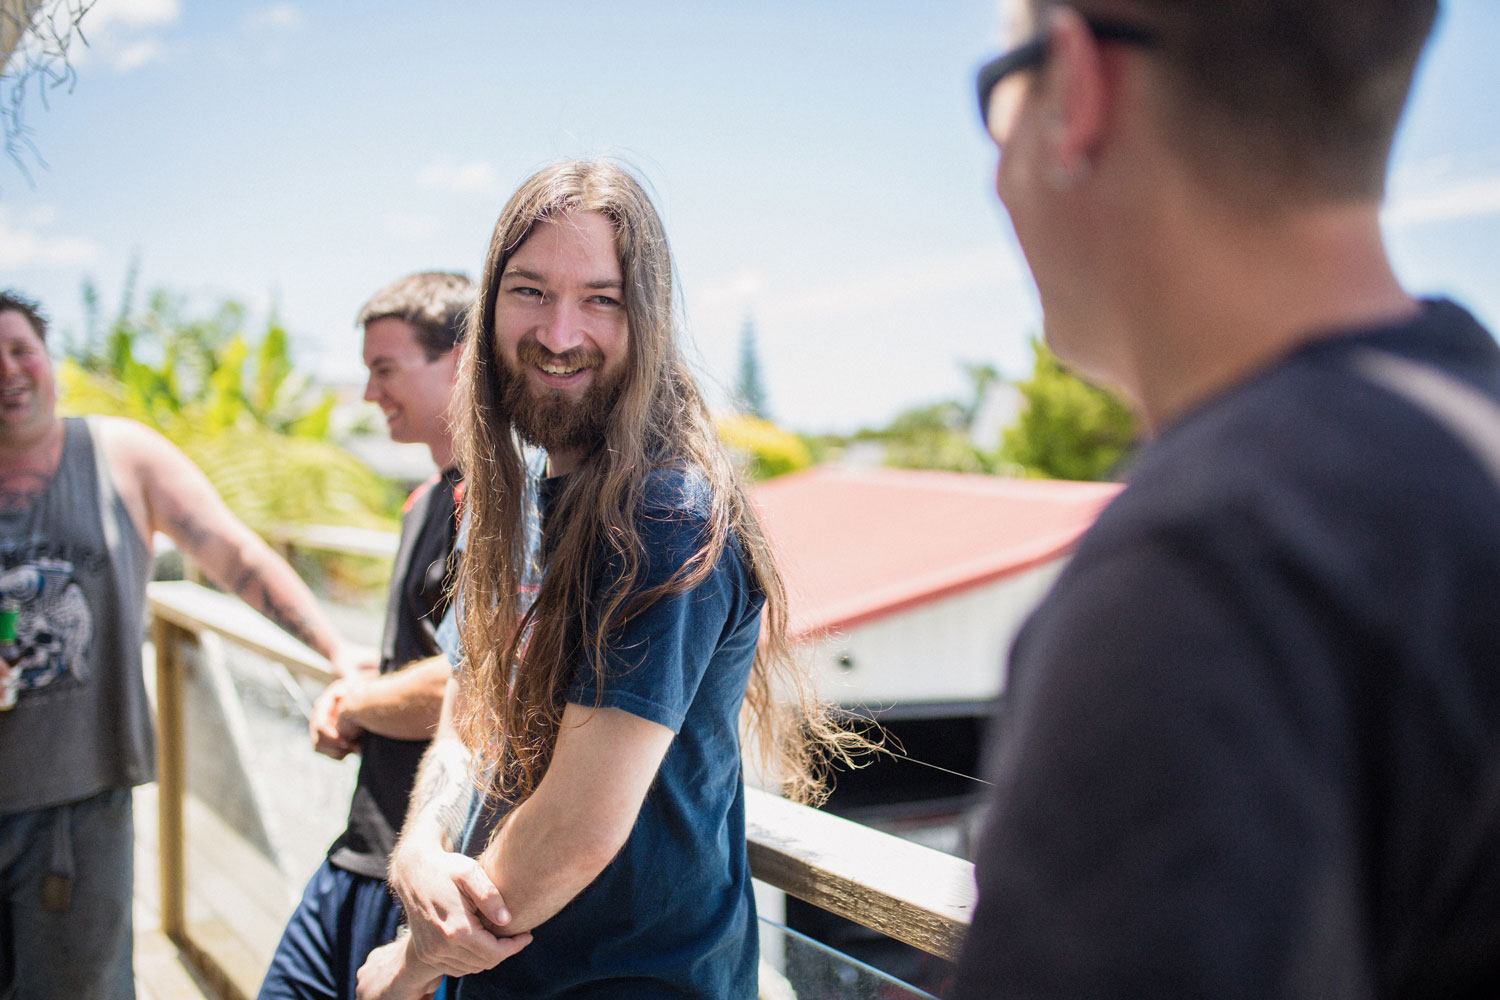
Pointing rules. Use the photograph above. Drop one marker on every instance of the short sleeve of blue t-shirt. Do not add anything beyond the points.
(655, 661)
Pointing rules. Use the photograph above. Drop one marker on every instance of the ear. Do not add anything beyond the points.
(1077, 97)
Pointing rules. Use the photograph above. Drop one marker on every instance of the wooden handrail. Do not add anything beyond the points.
(336, 538)
(912, 893)
(908, 892)
(196, 610)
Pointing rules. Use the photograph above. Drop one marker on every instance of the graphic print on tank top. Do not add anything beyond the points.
(56, 625)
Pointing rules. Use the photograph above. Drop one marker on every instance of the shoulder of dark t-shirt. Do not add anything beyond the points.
(420, 491)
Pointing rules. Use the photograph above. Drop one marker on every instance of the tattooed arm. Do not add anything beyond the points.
(166, 492)
(451, 906)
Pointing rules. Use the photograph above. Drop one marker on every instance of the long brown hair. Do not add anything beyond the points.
(521, 664)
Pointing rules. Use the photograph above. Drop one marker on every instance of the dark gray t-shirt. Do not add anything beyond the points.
(1250, 747)
(418, 600)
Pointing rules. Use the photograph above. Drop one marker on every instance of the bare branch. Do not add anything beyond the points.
(35, 36)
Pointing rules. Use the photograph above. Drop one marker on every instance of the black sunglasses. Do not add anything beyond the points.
(1033, 53)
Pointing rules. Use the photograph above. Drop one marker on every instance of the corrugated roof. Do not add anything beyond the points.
(856, 544)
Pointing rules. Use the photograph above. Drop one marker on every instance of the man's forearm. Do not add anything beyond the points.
(404, 704)
(268, 585)
(450, 905)
(558, 841)
(248, 568)
(440, 798)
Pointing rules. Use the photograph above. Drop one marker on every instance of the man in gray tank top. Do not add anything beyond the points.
(79, 502)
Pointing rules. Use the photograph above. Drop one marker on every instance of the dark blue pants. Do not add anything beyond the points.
(341, 919)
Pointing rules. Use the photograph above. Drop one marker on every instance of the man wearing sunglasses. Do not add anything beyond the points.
(1248, 746)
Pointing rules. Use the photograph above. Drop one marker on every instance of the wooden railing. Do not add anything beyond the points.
(370, 542)
(908, 892)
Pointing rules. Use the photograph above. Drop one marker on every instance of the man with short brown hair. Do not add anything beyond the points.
(413, 332)
(1249, 743)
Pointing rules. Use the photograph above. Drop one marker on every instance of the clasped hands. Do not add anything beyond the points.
(455, 915)
(333, 734)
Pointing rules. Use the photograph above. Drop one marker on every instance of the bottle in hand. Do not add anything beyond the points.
(10, 656)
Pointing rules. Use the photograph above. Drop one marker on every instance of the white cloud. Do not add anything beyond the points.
(24, 242)
(829, 343)
(462, 177)
(733, 292)
(124, 34)
(1458, 200)
(137, 54)
(970, 270)
(276, 16)
(105, 14)
(879, 289)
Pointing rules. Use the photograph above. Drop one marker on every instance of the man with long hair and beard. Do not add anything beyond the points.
(660, 615)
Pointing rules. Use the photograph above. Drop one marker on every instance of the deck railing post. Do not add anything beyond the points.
(170, 775)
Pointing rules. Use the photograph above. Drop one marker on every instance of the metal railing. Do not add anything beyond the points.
(911, 893)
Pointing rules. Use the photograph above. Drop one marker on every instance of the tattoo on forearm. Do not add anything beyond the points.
(290, 619)
(189, 531)
(452, 813)
(243, 580)
(443, 787)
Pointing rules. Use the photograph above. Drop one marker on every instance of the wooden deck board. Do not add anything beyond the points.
(237, 905)
(162, 971)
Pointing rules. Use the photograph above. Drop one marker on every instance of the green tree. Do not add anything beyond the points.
(749, 392)
(1069, 429)
(935, 435)
(762, 449)
(234, 404)
(981, 378)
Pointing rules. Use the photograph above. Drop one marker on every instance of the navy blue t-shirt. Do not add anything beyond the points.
(1250, 747)
(672, 915)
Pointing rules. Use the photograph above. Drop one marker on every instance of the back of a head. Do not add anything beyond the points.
(435, 303)
(1299, 98)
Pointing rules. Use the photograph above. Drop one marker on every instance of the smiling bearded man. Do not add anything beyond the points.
(550, 418)
(627, 673)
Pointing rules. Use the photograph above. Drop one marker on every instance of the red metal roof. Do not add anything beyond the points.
(856, 544)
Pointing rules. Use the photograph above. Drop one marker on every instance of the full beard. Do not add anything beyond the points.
(550, 418)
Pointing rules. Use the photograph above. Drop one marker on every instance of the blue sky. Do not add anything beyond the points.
(819, 166)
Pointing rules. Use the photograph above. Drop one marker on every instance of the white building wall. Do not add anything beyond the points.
(952, 649)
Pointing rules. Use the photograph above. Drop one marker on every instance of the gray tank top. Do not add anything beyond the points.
(76, 564)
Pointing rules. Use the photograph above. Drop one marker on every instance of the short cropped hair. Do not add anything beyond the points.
(435, 303)
(13, 301)
(1284, 95)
